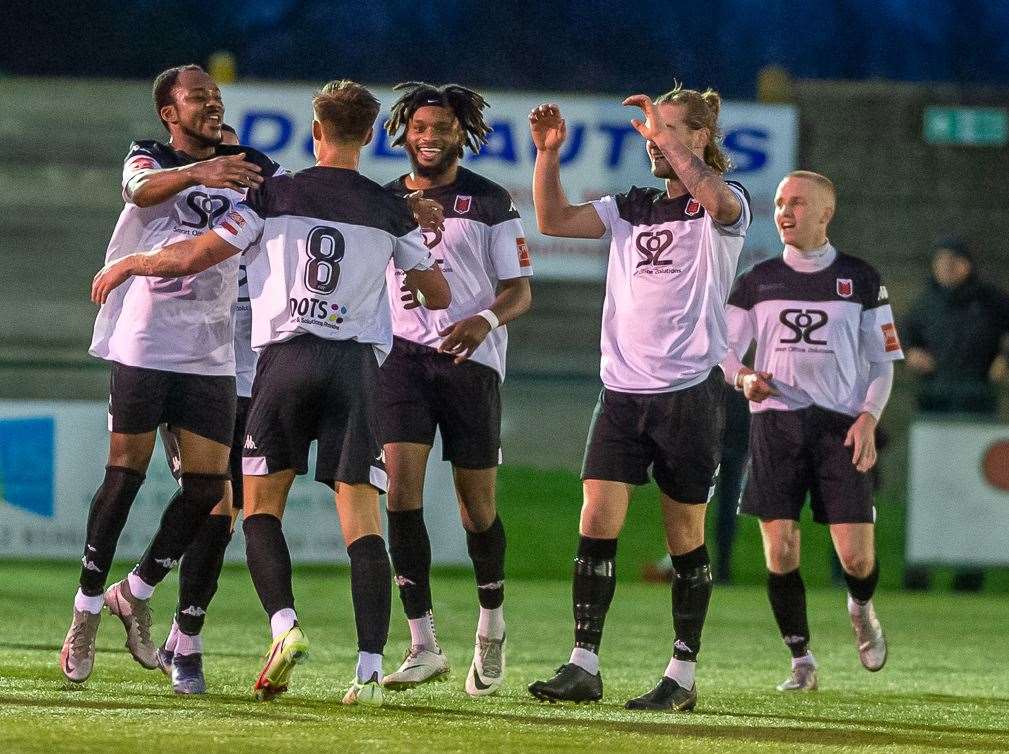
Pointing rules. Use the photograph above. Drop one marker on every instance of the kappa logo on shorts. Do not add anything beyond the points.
(462, 204)
(845, 287)
(250, 443)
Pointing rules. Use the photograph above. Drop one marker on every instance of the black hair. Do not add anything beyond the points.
(465, 104)
(955, 246)
(165, 83)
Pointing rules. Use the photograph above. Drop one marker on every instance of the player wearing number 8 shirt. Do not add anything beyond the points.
(673, 254)
(322, 240)
(445, 372)
(826, 343)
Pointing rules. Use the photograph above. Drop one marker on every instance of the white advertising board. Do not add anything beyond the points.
(603, 155)
(958, 511)
(52, 458)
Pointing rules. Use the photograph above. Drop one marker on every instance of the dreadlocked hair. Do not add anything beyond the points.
(702, 110)
(465, 104)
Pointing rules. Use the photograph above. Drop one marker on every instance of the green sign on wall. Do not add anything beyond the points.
(966, 126)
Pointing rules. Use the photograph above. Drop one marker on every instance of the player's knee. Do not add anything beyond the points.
(477, 516)
(202, 492)
(782, 554)
(859, 565)
(400, 499)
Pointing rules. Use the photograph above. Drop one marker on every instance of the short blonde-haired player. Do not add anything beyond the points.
(823, 370)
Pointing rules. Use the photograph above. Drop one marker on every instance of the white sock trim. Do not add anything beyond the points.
(806, 659)
(422, 633)
(585, 659)
(282, 621)
(188, 645)
(84, 603)
(681, 671)
(138, 587)
(368, 664)
(491, 624)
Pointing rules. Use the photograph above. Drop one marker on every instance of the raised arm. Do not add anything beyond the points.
(176, 260)
(705, 184)
(555, 215)
(151, 187)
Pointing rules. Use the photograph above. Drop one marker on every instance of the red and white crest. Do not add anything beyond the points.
(692, 208)
(462, 204)
(845, 287)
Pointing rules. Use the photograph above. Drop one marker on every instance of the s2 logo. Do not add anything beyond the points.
(206, 207)
(651, 245)
(803, 323)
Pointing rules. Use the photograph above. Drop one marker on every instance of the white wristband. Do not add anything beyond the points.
(491, 318)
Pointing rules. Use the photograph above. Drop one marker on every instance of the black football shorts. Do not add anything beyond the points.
(793, 453)
(423, 390)
(310, 388)
(677, 434)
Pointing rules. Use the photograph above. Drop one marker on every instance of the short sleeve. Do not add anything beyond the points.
(739, 227)
(606, 208)
(509, 252)
(740, 296)
(139, 162)
(877, 329)
(410, 253)
(242, 226)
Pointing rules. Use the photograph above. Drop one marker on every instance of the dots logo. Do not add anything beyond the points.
(995, 465)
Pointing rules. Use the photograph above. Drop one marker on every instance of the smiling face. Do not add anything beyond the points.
(802, 211)
(196, 110)
(434, 140)
(672, 118)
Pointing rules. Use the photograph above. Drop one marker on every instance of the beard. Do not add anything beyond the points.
(662, 169)
(202, 139)
(449, 157)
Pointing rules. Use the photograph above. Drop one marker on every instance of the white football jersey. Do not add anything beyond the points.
(817, 332)
(669, 274)
(171, 324)
(322, 240)
(483, 243)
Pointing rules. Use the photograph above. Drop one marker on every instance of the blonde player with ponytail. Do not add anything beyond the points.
(672, 259)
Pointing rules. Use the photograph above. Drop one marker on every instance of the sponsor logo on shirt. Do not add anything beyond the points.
(845, 287)
(315, 311)
(692, 208)
(651, 245)
(432, 237)
(462, 204)
(523, 248)
(891, 342)
(803, 323)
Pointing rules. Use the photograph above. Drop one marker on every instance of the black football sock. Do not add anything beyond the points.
(595, 580)
(180, 523)
(487, 551)
(862, 590)
(269, 561)
(371, 590)
(199, 572)
(691, 594)
(109, 509)
(410, 548)
(787, 595)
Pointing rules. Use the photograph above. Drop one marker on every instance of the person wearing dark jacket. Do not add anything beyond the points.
(954, 338)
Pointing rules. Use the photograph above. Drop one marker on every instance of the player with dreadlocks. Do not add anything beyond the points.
(445, 371)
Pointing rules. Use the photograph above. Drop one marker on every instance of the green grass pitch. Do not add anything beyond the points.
(945, 687)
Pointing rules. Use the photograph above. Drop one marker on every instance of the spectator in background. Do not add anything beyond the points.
(954, 341)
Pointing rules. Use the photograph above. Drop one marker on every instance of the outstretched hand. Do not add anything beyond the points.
(548, 128)
(230, 172)
(650, 129)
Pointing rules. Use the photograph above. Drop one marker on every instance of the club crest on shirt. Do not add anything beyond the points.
(692, 208)
(845, 287)
(462, 204)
